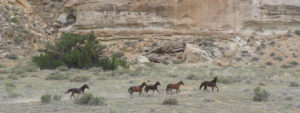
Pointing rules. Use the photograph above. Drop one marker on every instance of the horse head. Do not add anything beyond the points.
(157, 83)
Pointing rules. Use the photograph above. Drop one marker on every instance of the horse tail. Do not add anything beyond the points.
(200, 86)
(129, 90)
(68, 91)
(167, 88)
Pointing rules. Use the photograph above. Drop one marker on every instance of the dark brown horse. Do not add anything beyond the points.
(78, 90)
(211, 84)
(174, 86)
(152, 87)
(139, 88)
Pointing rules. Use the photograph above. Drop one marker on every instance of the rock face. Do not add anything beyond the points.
(187, 16)
(164, 31)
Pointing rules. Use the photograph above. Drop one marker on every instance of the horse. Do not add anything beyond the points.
(211, 84)
(139, 88)
(174, 86)
(152, 87)
(77, 90)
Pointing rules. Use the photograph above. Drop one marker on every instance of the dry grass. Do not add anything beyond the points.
(232, 97)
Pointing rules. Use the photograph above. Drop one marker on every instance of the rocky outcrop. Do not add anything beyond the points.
(194, 54)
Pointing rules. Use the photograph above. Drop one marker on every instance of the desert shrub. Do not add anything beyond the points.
(10, 86)
(46, 98)
(2, 78)
(12, 56)
(2, 66)
(14, 20)
(31, 68)
(56, 97)
(57, 76)
(192, 77)
(170, 101)
(13, 77)
(286, 66)
(80, 78)
(297, 32)
(272, 43)
(18, 40)
(4, 71)
(63, 68)
(13, 95)
(294, 84)
(289, 98)
(226, 80)
(254, 59)
(18, 70)
(154, 44)
(269, 63)
(294, 63)
(260, 95)
(76, 51)
(272, 54)
(96, 101)
(89, 99)
(278, 59)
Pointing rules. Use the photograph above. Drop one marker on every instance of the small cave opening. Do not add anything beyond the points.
(71, 19)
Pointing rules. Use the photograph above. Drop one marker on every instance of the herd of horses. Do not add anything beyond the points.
(139, 89)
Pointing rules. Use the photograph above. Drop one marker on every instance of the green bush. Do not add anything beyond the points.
(294, 84)
(76, 51)
(89, 99)
(56, 97)
(12, 56)
(80, 78)
(260, 95)
(57, 76)
(170, 101)
(297, 32)
(46, 98)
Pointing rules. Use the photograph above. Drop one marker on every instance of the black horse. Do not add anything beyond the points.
(78, 90)
(152, 87)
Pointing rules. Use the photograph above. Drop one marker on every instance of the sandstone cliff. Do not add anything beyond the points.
(227, 31)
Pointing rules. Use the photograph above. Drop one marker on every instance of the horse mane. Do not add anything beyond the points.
(83, 87)
(180, 82)
(214, 80)
(143, 84)
(156, 83)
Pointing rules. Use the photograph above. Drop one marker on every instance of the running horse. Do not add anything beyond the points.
(139, 88)
(77, 90)
(174, 86)
(211, 84)
(152, 87)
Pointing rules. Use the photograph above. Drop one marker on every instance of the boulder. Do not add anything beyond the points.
(142, 59)
(194, 54)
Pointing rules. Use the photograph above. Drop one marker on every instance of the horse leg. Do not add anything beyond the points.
(140, 93)
(72, 95)
(157, 91)
(178, 90)
(217, 88)
(212, 88)
(206, 88)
